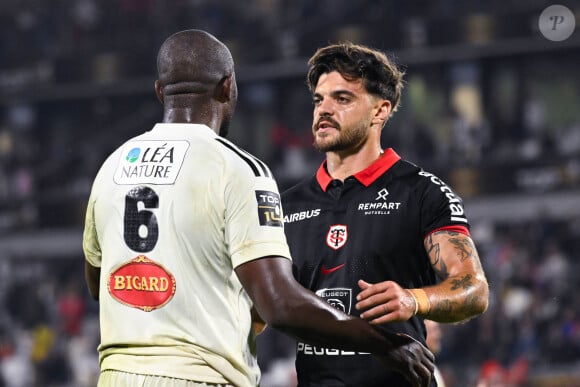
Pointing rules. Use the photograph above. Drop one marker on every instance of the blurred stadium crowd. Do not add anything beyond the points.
(490, 105)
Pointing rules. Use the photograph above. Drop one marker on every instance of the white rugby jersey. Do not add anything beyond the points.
(172, 212)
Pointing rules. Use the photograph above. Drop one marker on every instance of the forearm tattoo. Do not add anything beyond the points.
(462, 299)
(464, 282)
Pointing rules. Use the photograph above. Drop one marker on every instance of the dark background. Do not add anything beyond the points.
(490, 105)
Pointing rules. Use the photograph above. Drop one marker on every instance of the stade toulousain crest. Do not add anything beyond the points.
(141, 283)
(337, 236)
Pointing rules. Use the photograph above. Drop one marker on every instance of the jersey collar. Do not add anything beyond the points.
(368, 175)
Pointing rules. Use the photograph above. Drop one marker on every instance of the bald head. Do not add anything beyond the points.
(196, 82)
(193, 61)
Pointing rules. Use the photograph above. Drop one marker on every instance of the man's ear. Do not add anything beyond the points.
(383, 111)
(224, 89)
(159, 91)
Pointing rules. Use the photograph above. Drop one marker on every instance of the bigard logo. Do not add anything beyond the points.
(141, 283)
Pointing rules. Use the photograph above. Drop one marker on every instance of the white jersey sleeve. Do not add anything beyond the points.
(254, 219)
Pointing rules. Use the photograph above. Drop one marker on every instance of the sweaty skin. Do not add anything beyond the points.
(462, 294)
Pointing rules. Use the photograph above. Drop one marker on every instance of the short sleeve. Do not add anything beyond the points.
(441, 207)
(254, 219)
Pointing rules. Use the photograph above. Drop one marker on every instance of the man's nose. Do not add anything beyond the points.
(325, 108)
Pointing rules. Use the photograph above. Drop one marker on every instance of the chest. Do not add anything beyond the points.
(353, 219)
(353, 232)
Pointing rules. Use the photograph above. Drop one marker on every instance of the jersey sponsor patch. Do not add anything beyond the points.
(269, 208)
(337, 236)
(340, 298)
(298, 216)
(150, 162)
(382, 194)
(307, 349)
(141, 283)
(380, 206)
(454, 202)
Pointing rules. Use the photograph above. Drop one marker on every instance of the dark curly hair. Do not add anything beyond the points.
(380, 76)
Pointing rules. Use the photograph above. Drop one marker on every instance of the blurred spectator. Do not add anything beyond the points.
(71, 308)
(496, 110)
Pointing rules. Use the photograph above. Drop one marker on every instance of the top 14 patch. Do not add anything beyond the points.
(269, 208)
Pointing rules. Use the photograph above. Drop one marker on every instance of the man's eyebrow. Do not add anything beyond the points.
(336, 93)
(342, 92)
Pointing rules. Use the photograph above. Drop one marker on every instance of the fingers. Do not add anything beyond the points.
(412, 359)
(372, 295)
(421, 361)
(381, 314)
(369, 289)
(420, 380)
(424, 365)
(363, 284)
(383, 302)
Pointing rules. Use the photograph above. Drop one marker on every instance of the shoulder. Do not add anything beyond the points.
(418, 177)
(241, 160)
(300, 189)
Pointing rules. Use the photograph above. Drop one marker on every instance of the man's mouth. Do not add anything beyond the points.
(323, 125)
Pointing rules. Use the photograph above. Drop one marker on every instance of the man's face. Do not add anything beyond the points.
(343, 111)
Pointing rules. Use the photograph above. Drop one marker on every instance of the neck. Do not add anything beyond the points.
(181, 116)
(341, 165)
(189, 115)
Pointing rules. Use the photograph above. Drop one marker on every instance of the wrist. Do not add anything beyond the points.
(422, 303)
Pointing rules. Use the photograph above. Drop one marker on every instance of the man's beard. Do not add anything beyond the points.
(352, 139)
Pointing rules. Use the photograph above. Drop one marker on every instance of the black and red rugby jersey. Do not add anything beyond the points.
(370, 227)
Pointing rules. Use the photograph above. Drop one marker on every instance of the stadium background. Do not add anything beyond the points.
(491, 105)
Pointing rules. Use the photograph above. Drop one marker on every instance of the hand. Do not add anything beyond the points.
(384, 302)
(411, 359)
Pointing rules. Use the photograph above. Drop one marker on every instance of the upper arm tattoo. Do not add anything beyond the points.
(434, 253)
(464, 246)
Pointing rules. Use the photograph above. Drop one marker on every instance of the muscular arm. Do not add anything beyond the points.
(285, 305)
(462, 293)
(92, 278)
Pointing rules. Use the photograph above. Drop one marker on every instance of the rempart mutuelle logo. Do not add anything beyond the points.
(557, 23)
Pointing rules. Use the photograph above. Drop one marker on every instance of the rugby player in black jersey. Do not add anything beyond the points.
(372, 234)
